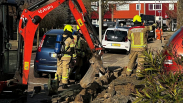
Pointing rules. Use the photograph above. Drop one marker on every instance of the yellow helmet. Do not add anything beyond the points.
(137, 18)
(78, 27)
(68, 28)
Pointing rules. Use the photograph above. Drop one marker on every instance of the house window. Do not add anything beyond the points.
(122, 7)
(150, 6)
(94, 8)
(138, 6)
(171, 6)
(157, 6)
(153, 6)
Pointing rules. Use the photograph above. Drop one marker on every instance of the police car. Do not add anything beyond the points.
(116, 39)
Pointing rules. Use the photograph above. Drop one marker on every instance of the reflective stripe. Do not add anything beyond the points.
(66, 55)
(74, 55)
(142, 45)
(66, 47)
(141, 39)
(138, 70)
(132, 38)
(138, 46)
(129, 69)
(72, 45)
(150, 27)
(58, 77)
(64, 77)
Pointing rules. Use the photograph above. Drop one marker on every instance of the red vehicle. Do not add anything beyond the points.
(175, 45)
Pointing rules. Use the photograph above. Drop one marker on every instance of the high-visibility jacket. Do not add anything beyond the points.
(69, 43)
(159, 32)
(138, 37)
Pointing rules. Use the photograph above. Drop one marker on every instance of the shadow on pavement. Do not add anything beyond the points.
(116, 51)
(39, 97)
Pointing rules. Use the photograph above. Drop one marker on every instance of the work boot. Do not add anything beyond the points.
(64, 86)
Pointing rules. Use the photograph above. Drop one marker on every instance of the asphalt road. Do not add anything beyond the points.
(109, 59)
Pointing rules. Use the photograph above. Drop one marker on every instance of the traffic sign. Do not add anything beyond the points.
(159, 11)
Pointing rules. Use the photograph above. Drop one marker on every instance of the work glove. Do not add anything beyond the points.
(155, 24)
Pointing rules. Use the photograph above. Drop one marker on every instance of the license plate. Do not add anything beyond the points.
(151, 31)
(54, 55)
(115, 44)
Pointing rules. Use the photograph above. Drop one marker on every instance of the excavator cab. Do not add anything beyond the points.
(9, 15)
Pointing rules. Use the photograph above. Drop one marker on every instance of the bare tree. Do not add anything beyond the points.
(109, 5)
(179, 14)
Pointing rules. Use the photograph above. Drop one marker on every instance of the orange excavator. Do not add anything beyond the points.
(29, 21)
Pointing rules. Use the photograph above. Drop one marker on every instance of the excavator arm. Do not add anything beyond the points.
(30, 20)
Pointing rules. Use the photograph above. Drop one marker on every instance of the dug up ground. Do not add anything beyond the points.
(113, 87)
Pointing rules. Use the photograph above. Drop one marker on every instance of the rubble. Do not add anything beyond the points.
(112, 87)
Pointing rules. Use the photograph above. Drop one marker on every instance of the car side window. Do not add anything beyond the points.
(49, 41)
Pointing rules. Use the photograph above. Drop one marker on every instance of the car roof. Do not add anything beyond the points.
(55, 31)
(121, 28)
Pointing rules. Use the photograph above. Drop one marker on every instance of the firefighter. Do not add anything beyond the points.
(81, 52)
(159, 33)
(64, 62)
(138, 37)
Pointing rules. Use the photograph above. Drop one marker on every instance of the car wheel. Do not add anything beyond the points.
(127, 52)
(37, 75)
(106, 51)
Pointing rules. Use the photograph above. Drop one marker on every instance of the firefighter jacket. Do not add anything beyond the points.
(69, 46)
(138, 37)
(81, 45)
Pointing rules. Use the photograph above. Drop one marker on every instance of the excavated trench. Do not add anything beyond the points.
(113, 87)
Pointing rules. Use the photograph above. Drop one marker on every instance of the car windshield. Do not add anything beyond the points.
(49, 41)
(116, 35)
(173, 36)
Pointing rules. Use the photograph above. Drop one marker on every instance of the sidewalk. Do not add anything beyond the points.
(15, 45)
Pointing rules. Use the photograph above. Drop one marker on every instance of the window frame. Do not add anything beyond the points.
(154, 6)
(172, 6)
(94, 8)
(117, 7)
(139, 7)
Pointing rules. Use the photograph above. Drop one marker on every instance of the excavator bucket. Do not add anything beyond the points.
(95, 68)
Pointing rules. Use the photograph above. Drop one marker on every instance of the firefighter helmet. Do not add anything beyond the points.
(137, 18)
(68, 28)
(78, 28)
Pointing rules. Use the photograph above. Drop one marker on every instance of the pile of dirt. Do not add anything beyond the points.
(113, 87)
